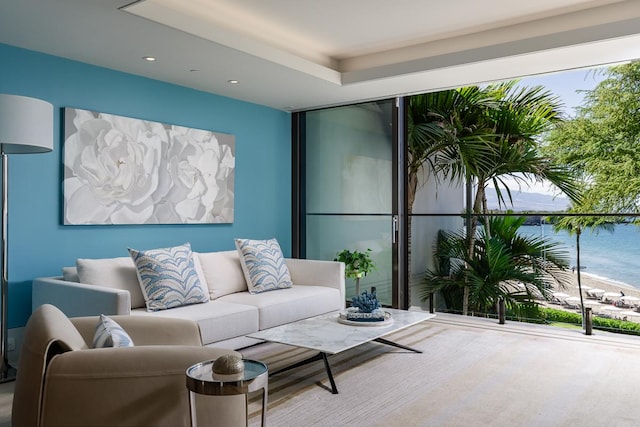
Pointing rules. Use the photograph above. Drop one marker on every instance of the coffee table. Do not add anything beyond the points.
(328, 336)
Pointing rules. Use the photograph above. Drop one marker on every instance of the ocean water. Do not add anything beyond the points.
(614, 256)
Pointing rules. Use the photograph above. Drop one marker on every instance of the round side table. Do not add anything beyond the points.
(202, 380)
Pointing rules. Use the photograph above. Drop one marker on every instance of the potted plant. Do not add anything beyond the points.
(357, 265)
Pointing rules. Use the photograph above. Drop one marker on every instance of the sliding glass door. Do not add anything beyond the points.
(347, 194)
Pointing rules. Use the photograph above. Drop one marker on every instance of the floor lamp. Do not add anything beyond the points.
(26, 126)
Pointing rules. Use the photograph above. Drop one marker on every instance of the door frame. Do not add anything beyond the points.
(400, 268)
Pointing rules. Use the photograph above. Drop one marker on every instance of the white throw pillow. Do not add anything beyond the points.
(263, 265)
(169, 277)
(110, 334)
(70, 274)
(222, 272)
(117, 273)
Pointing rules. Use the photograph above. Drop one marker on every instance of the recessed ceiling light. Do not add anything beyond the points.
(233, 82)
(149, 58)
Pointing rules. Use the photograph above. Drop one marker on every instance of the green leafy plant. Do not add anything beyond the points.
(357, 264)
(496, 262)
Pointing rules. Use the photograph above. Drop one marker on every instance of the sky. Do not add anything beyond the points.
(567, 86)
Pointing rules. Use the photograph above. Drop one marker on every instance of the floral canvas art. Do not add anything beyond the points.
(120, 170)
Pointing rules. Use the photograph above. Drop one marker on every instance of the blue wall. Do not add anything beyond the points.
(39, 245)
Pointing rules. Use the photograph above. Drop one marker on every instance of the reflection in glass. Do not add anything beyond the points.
(349, 188)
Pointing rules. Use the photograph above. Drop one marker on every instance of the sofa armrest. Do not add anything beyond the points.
(130, 386)
(317, 272)
(79, 299)
(146, 331)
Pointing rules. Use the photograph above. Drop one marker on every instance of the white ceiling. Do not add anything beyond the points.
(301, 54)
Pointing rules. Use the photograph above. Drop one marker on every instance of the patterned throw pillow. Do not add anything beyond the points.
(110, 334)
(263, 265)
(169, 277)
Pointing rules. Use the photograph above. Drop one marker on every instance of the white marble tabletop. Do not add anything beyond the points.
(325, 334)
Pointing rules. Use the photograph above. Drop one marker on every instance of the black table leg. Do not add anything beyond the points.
(334, 390)
(327, 367)
(298, 364)
(319, 356)
(395, 344)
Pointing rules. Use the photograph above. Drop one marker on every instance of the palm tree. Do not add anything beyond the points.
(443, 125)
(499, 263)
(483, 135)
(440, 125)
(575, 225)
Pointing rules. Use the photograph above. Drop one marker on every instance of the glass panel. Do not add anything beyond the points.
(349, 159)
(424, 233)
(329, 234)
(609, 277)
(349, 170)
(431, 198)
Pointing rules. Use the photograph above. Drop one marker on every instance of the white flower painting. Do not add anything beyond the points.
(119, 170)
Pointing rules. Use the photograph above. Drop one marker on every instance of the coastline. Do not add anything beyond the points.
(592, 281)
(606, 254)
(605, 281)
(595, 281)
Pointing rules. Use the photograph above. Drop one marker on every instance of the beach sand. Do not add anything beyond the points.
(590, 281)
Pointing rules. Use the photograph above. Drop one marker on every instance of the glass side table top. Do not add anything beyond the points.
(202, 380)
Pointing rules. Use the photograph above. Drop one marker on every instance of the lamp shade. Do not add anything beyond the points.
(26, 125)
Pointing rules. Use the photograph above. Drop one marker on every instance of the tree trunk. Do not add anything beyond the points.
(411, 197)
(482, 194)
(477, 208)
(578, 231)
(465, 300)
(411, 191)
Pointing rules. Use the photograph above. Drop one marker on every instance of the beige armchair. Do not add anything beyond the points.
(62, 381)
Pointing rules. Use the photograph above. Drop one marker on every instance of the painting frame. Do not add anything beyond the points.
(120, 170)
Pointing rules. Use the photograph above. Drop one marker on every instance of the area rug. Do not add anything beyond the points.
(363, 376)
(466, 375)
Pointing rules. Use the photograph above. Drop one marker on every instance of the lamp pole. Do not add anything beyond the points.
(26, 126)
(7, 373)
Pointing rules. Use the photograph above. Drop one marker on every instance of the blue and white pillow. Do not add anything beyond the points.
(263, 265)
(110, 334)
(169, 277)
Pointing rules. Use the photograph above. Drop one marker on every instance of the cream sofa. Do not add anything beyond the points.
(110, 286)
(62, 381)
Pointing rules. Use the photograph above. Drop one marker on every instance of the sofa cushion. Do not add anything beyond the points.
(118, 273)
(289, 305)
(169, 278)
(222, 272)
(217, 320)
(70, 274)
(263, 265)
(110, 334)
